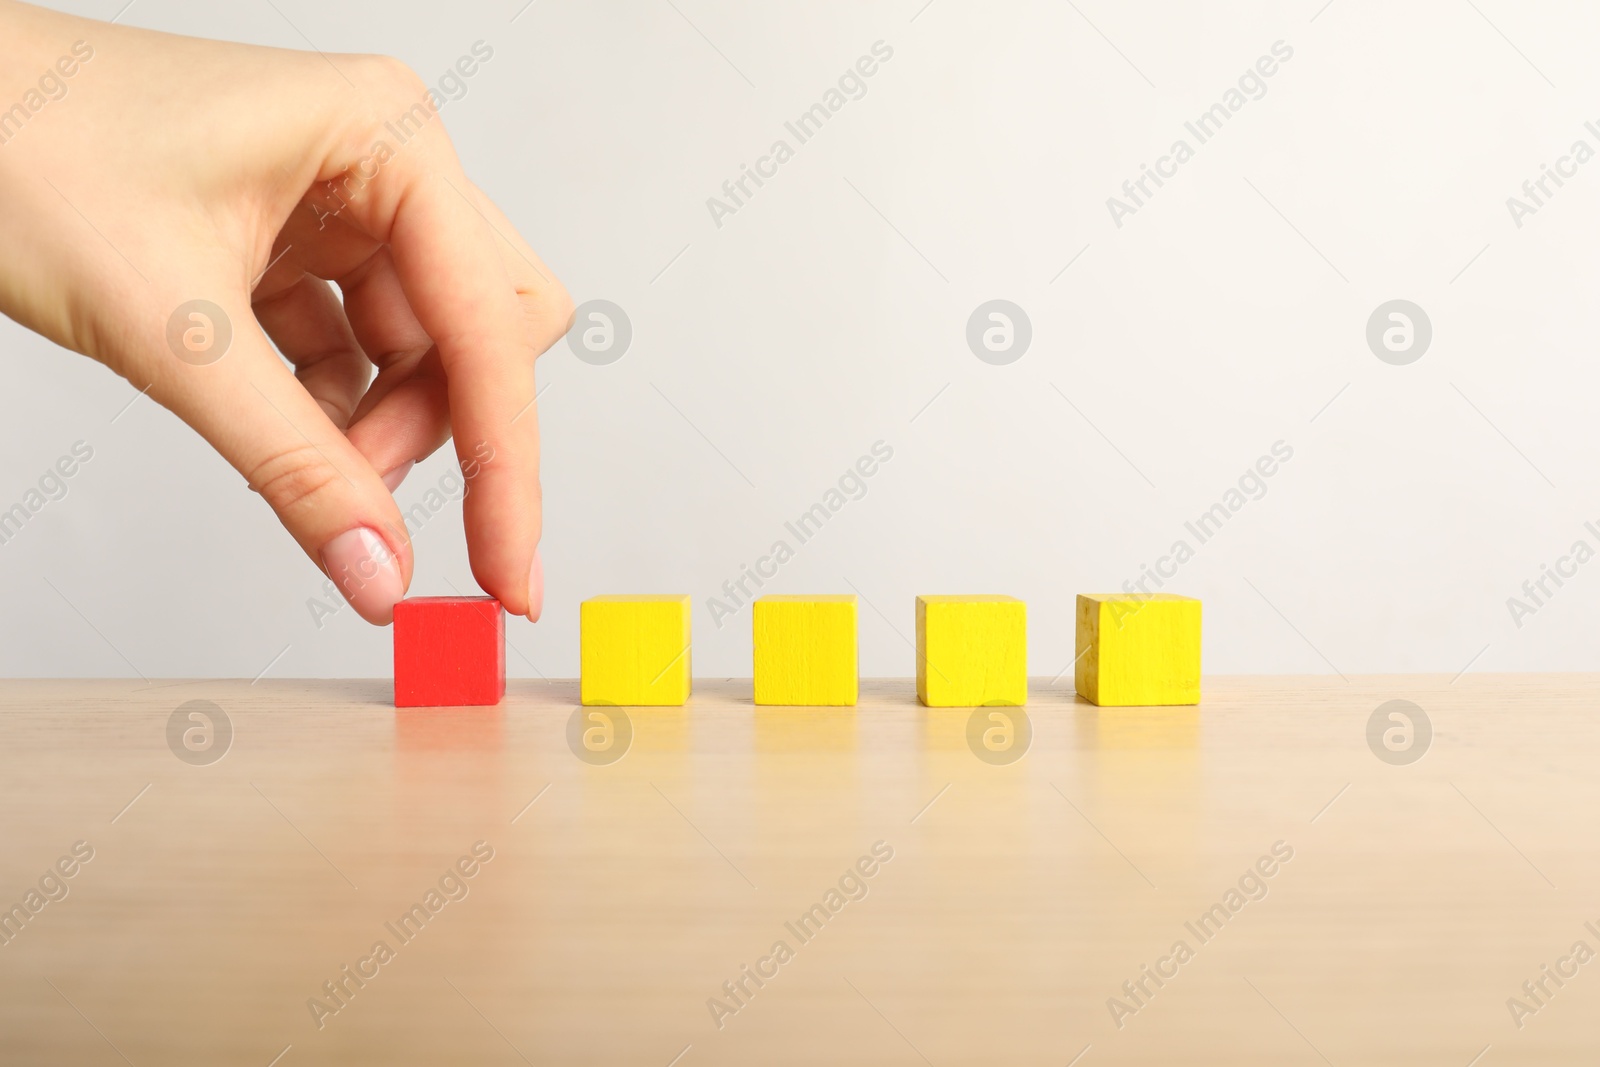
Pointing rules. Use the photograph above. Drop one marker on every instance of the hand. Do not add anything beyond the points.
(142, 172)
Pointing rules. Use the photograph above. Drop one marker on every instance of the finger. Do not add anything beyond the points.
(316, 241)
(457, 285)
(253, 411)
(548, 312)
(409, 420)
(545, 303)
(411, 427)
(446, 256)
(405, 415)
(416, 199)
(307, 323)
(380, 316)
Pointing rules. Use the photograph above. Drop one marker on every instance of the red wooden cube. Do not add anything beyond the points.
(449, 651)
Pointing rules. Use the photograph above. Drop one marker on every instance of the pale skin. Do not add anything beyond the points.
(166, 170)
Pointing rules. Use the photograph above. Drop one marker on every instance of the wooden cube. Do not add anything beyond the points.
(449, 651)
(634, 650)
(805, 650)
(1137, 649)
(971, 651)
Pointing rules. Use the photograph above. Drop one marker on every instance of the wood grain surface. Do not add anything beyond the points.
(620, 896)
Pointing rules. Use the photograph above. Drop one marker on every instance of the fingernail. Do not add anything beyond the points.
(367, 573)
(398, 475)
(536, 587)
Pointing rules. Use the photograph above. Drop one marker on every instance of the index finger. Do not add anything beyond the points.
(466, 298)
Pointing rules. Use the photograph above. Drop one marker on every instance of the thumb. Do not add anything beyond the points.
(237, 393)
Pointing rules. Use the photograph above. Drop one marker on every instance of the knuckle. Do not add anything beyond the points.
(393, 96)
(562, 309)
(395, 76)
(550, 314)
(295, 480)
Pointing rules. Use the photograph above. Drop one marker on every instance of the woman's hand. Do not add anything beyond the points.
(159, 194)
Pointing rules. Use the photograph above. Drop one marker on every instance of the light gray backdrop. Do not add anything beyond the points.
(830, 311)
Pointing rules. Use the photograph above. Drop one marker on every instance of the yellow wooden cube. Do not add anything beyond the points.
(1137, 649)
(805, 650)
(634, 650)
(971, 651)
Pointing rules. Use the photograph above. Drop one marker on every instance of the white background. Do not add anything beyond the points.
(1171, 354)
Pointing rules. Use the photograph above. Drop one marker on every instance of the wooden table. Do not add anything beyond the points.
(1021, 893)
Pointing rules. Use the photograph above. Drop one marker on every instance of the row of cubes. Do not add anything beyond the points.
(1132, 650)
